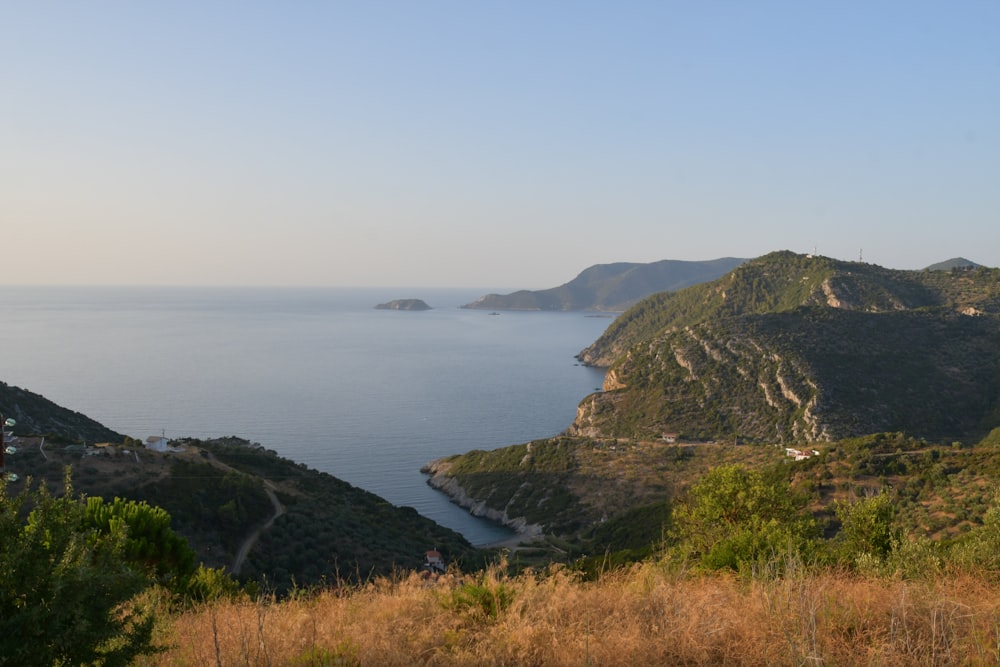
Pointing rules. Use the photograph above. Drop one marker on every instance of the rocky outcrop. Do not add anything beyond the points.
(440, 479)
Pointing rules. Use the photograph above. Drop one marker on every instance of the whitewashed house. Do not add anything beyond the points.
(800, 454)
(434, 561)
(157, 443)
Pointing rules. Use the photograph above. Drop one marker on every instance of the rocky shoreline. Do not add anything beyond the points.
(439, 479)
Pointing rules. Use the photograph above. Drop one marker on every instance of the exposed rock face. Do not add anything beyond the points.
(403, 304)
(439, 479)
(612, 381)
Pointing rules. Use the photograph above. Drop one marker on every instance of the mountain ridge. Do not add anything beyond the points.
(801, 348)
(611, 287)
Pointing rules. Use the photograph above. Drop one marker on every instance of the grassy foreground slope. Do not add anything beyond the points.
(645, 615)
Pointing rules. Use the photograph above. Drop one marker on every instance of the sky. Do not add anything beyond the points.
(481, 143)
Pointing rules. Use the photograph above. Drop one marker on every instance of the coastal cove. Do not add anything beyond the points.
(318, 375)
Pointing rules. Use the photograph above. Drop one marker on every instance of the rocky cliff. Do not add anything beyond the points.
(439, 477)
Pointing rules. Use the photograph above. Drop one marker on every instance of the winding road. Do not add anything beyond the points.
(252, 538)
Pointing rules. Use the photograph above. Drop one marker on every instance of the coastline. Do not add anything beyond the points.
(519, 540)
(439, 480)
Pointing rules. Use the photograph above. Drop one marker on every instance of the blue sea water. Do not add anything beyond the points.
(316, 374)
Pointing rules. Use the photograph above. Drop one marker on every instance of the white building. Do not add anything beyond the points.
(157, 443)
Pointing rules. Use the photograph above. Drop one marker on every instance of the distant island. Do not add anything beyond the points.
(404, 304)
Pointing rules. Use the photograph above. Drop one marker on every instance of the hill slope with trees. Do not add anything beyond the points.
(793, 348)
(217, 493)
(884, 379)
(37, 415)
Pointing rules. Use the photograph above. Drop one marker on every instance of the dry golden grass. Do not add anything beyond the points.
(641, 616)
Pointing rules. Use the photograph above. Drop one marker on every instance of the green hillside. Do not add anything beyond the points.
(792, 348)
(36, 414)
(783, 281)
(594, 496)
(893, 376)
(299, 526)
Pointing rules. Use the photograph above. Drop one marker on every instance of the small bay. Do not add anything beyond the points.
(316, 374)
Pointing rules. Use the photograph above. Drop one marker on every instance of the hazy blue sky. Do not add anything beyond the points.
(488, 144)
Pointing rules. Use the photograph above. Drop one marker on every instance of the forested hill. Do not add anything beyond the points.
(36, 414)
(792, 347)
(299, 526)
(611, 287)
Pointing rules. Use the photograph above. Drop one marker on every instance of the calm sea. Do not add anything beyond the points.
(317, 375)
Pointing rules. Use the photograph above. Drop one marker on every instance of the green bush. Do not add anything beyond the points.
(866, 529)
(68, 587)
(735, 518)
(488, 596)
(150, 541)
(979, 549)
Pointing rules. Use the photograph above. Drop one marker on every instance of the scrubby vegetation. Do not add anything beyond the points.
(740, 575)
(616, 498)
(647, 614)
(736, 555)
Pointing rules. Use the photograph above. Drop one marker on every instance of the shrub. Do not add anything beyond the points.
(866, 528)
(487, 596)
(68, 588)
(734, 518)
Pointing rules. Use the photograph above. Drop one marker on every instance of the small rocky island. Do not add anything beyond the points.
(404, 304)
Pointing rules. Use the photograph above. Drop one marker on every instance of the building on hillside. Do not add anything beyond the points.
(800, 454)
(157, 443)
(434, 561)
(669, 437)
